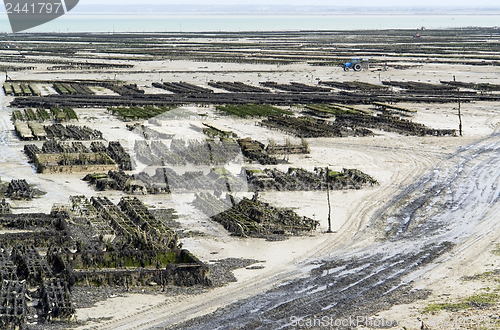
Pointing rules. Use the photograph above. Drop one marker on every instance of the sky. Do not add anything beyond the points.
(371, 3)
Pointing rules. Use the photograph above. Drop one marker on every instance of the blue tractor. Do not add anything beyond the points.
(356, 64)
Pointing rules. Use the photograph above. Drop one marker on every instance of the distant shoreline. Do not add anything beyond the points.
(116, 22)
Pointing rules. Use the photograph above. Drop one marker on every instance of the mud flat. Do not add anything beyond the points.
(175, 133)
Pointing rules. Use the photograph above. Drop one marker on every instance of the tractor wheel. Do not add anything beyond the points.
(357, 67)
(346, 68)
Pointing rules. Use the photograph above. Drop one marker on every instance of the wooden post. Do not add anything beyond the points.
(459, 114)
(329, 205)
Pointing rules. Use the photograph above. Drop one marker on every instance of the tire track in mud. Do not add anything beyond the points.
(454, 204)
(355, 229)
(338, 289)
(164, 312)
(452, 200)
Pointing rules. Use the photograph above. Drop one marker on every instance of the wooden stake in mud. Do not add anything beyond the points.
(328, 198)
(459, 114)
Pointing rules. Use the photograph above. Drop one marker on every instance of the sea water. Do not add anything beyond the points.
(108, 23)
